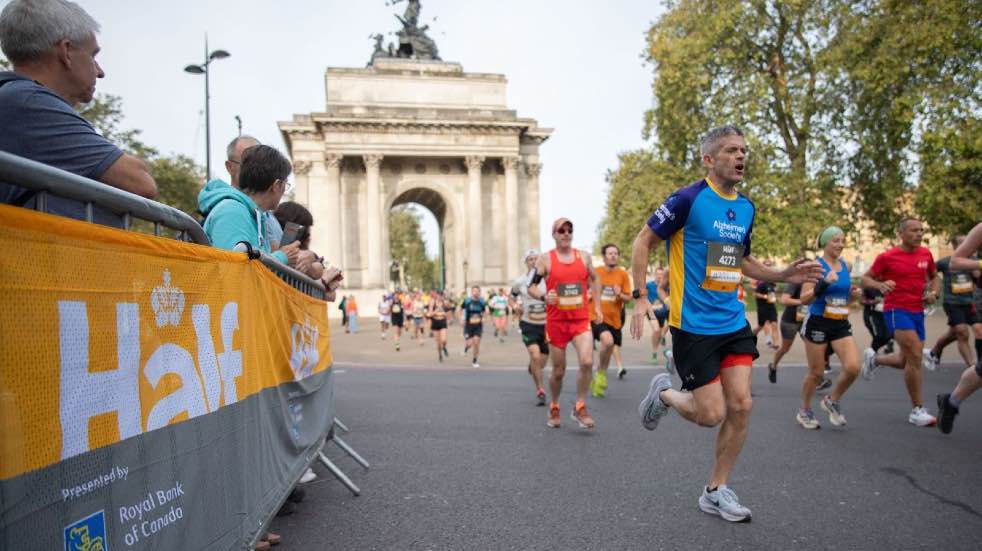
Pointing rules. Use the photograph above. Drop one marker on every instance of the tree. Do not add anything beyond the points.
(409, 249)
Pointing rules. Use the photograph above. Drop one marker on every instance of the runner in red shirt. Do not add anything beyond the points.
(567, 271)
(901, 274)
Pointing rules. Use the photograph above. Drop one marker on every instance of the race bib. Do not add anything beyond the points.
(878, 307)
(474, 319)
(608, 294)
(772, 297)
(396, 309)
(723, 266)
(961, 284)
(570, 296)
(801, 313)
(836, 308)
(537, 312)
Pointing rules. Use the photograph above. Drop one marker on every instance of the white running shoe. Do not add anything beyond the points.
(308, 476)
(869, 364)
(669, 362)
(928, 361)
(725, 503)
(475, 365)
(921, 418)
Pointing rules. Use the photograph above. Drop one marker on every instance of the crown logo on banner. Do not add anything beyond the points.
(303, 354)
(167, 302)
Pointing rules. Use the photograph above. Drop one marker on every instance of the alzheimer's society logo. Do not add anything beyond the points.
(88, 534)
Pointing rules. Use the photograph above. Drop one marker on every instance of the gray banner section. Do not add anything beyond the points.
(207, 483)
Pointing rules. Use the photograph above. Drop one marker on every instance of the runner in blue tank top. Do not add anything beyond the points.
(827, 325)
(707, 227)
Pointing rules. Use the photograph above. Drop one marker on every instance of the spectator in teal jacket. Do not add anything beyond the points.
(234, 216)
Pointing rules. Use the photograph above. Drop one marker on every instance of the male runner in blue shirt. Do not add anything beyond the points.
(707, 227)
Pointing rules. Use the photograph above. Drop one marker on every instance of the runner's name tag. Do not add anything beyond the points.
(723, 266)
(396, 309)
(771, 297)
(961, 283)
(474, 319)
(836, 308)
(537, 312)
(800, 313)
(570, 296)
(608, 294)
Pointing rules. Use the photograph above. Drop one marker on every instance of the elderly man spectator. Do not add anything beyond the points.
(52, 46)
(236, 216)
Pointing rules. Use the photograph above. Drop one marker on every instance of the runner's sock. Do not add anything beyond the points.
(954, 401)
(580, 404)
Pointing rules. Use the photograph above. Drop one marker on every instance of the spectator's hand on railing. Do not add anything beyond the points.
(292, 252)
(332, 278)
(305, 259)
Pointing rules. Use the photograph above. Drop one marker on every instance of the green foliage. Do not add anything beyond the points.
(409, 250)
(105, 112)
(860, 110)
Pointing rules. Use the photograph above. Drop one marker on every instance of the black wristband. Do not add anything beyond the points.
(821, 287)
(537, 278)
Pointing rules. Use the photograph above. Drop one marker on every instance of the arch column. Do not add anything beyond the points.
(329, 206)
(532, 189)
(511, 217)
(475, 249)
(373, 219)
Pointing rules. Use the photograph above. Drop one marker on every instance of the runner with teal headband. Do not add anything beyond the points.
(827, 324)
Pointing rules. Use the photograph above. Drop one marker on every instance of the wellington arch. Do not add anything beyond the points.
(422, 131)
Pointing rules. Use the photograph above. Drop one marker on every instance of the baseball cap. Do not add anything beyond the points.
(559, 223)
(528, 253)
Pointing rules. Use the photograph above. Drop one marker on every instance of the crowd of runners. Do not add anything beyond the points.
(565, 302)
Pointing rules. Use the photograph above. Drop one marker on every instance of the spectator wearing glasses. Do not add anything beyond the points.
(235, 216)
(52, 46)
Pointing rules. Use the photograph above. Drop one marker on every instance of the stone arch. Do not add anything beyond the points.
(447, 207)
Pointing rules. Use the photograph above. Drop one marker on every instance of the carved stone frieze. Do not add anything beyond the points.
(301, 167)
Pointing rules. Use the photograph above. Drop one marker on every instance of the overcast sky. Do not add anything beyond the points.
(573, 65)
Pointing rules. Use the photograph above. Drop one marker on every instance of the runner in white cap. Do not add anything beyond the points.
(532, 324)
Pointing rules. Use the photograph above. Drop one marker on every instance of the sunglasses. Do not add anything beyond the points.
(564, 231)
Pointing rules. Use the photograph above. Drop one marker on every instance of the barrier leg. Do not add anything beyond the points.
(350, 451)
(339, 474)
(341, 425)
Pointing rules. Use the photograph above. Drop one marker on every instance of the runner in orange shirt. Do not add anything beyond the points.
(567, 272)
(615, 290)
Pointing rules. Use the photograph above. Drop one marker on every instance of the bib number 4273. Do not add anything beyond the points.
(723, 266)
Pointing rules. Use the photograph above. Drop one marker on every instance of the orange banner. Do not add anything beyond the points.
(108, 334)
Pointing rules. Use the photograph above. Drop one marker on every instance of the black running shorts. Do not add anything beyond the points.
(600, 328)
(766, 312)
(959, 314)
(534, 334)
(436, 325)
(473, 330)
(397, 320)
(698, 357)
(821, 330)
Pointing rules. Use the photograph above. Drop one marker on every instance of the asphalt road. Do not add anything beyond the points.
(462, 459)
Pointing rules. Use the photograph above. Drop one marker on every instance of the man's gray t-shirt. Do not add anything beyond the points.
(40, 125)
(533, 309)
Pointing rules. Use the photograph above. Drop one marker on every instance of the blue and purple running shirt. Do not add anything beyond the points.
(707, 234)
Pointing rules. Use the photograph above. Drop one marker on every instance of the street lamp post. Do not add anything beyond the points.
(203, 70)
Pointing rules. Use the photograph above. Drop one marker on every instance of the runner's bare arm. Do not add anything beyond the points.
(961, 258)
(787, 300)
(870, 281)
(663, 291)
(934, 281)
(799, 271)
(640, 255)
(542, 270)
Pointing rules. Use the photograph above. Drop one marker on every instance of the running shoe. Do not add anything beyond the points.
(445, 351)
(601, 378)
(540, 397)
(929, 361)
(654, 357)
(920, 417)
(946, 413)
(835, 413)
(308, 476)
(621, 372)
(869, 364)
(474, 364)
(582, 416)
(553, 422)
(596, 390)
(652, 408)
(771, 373)
(669, 362)
(725, 503)
(806, 418)
(397, 347)
(825, 383)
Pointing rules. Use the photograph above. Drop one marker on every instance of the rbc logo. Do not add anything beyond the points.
(88, 534)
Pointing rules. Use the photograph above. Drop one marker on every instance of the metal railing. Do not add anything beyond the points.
(47, 180)
(296, 279)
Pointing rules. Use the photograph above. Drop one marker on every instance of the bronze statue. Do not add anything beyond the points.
(413, 43)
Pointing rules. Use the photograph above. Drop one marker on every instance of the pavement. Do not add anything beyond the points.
(461, 459)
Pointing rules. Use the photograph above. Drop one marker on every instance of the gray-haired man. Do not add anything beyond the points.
(52, 45)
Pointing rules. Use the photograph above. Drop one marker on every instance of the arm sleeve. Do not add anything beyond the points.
(670, 216)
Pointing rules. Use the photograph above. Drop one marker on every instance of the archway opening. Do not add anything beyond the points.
(416, 240)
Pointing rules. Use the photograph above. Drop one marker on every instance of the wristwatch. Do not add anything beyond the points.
(638, 293)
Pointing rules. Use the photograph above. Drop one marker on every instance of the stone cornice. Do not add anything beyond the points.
(406, 127)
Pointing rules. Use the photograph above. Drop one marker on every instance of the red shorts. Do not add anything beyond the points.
(560, 332)
(731, 360)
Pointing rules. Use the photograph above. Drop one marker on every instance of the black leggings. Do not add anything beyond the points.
(876, 326)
